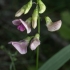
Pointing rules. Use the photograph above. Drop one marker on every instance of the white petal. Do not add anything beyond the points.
(26, 26)
(54, 26)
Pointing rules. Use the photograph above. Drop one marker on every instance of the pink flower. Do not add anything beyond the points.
(35, 42)
(21, 25)
(20, 46)
(54, 26)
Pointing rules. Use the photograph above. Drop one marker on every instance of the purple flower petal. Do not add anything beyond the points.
(34, 44)
(54, 26)
(16, 22)
(21, 47)
(26, 26)
(21, 27)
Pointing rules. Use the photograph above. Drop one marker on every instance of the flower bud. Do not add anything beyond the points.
(42, 7)
(34, 18)
(28, 7)
(20, 11)
(53, 26)
(24, 9)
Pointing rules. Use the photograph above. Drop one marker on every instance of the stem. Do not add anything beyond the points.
(37, 57)
(39, 24)
(13, 65)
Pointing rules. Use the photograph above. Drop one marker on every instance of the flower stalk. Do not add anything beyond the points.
(37, 55)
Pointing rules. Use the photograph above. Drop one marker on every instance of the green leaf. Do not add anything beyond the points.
(60, 58)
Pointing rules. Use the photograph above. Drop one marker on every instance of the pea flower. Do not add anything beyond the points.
(53, 26)
(22, 25)
(35, 42)
(21, 46)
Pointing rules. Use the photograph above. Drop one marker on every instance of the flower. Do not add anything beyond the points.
(53, 26)
(21, 46)
(21, 25)
(35, 42)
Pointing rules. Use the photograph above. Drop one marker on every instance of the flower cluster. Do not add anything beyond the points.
(22, 45)
(21, 25)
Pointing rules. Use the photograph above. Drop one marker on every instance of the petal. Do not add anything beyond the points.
(54, 26)
(26, 26)
(34, 44)
(16, 22)
(21, 47)
(21, 27)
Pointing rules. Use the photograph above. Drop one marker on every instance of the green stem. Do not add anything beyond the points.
(39, 24)
(13, 65)
(37, 57)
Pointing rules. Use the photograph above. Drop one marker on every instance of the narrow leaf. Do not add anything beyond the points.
(59, 59)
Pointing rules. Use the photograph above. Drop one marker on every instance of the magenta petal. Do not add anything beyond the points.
(21, 27)
(28, 28)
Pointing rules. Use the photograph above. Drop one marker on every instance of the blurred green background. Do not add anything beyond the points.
(51, 43)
